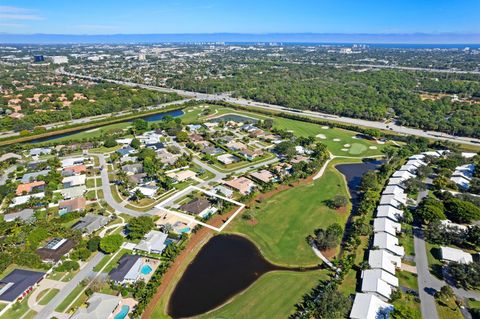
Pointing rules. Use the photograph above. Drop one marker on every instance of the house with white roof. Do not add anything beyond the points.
(393, 200)
(390, 212)
(417, 157)
(72, 161)
(460, 181)
(20, 200)
(453, 226)
(74, 180)
(393, 190)
(147, 191)
(373, 274)
(377, 286)
(153, 242)
(452, 254)
(389, 243)
(408, 168)
(100, 306)
(386, 225)
(382, 259)
(403, 175)
(369, 306)
(396, 181)
(417, 163)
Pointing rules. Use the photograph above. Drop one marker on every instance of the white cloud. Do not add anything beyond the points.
(16, 13)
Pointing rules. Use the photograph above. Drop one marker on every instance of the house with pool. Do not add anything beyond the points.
(132, 268)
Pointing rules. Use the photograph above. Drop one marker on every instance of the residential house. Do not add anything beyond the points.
(90, 223)
(452, 254)
(25, 215)
(125, 151)
(166, 157)
(403, 175)
(263, 176)
(153, 242)
(386, 225)
(181, 176)
(73, 192)
(390, 212)
(28, 188)
(100, 306)
(198, 206)
(53, 251)
(235, 146)
(195, 138)
(223, 191)
(146, 190)
(377, 286)
(373, 274)
(40, 151)
(227, 159)
(128, 269)
(369, 306)
(20, 200)
(73, 161)
(393, 200)
(282, 169)
(211, 150)
(74, 170)
(241, 184)
(249, 154)
(30, 177)
(155, 146)
(132, 169)
(389, 243)
(71, 205)
(382, 259)
(10, 156)
(74, 180)
(18, 283)
(393, 190)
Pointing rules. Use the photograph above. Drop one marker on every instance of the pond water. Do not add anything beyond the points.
(234, 118)
(353, 174)
(225, 266)
(148, 118)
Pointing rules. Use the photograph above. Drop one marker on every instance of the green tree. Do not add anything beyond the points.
(181, 136)
(135, 143)
(110, 142)
(138, 226)
(111, 243)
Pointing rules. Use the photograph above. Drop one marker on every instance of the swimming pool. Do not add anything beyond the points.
(123, 312)
(184, 230)
(146, 269)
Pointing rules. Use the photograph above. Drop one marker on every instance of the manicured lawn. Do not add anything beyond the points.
(407, 279)
(355, 147)
(272, 296)
(70, 298)
(95, 132)
(408, 302)
(18, 310)
(112, 263)
(450, 311)
(46, 296)
(90, 183)
(284, 221)
(434, 262)
(406, 240)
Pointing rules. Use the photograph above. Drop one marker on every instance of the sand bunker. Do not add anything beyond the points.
(346, 145)
(336, 140)
(325, 127)
(373, 147)
(321, 136)
(345, 149)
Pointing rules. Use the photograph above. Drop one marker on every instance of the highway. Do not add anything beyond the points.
(324, 116)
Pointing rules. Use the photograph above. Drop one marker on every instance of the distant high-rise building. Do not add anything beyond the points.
(38, 58)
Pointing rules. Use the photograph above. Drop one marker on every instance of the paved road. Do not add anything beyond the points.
(252, 104)
(4, 177)
(427, 285)
(107, 192)
(86, 272)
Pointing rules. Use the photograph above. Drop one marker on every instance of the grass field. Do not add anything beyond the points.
(280, 229)
(19, 310)
(271, 296)
(407, 279)
(357, 146)
(46, 296)
(70, 298)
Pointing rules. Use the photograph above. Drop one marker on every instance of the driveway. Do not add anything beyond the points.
(87, 271)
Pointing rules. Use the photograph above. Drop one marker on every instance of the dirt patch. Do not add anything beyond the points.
(253, 221)
(329, 253)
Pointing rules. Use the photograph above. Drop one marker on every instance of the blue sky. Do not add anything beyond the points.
(242, 16)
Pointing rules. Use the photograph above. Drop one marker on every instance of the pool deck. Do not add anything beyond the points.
(130, 302)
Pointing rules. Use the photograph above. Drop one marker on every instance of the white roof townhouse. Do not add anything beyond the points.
(393, 200)
(377, 286)
(153, 242)
(369, 306)
(386, 225)
(416, 162)
(393, 190)
(417, 157)
(408, 168)
(382, 259)
(20, 200)
(396, 181)
(373, 274)
(389, 212)
(449, 224)
(403, 175)
(389, 243)
(457, 255)
(460, 181)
